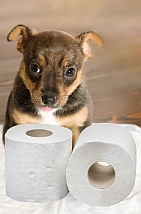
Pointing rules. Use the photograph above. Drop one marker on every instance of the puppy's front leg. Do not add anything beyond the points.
(9, 121)
(76, 132)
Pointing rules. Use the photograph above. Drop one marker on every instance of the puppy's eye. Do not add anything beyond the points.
(70, 72)
(35, 68)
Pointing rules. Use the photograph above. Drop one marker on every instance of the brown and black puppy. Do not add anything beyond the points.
(49, 87)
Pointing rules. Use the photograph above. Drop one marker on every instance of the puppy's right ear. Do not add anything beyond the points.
(84, 40)
(24, 32)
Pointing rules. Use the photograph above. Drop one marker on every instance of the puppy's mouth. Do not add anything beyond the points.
(45, 108)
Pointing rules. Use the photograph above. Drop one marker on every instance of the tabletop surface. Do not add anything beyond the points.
(113, 73)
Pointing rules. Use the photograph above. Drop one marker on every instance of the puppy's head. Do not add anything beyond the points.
(52, 63)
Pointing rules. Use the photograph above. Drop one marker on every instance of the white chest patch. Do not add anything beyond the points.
(48, 117)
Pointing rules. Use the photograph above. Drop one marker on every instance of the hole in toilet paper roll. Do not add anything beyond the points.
(39, 133)
(101, 175)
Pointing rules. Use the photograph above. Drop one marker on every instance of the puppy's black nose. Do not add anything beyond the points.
(49, 99)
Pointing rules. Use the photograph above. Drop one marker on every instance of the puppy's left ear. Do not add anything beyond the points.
(85, 38)
(24, 33)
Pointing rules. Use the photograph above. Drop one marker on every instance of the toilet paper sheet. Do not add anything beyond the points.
(69, 205)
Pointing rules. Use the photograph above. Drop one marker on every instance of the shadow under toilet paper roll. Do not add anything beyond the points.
(102, 168)
(36, 156)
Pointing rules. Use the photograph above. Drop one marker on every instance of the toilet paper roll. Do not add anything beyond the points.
(102, 168)
(36, 158)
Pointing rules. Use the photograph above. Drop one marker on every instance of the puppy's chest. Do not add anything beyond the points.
(48, 117)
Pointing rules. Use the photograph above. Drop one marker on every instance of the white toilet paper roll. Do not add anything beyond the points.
(36, 158)
(101, 170)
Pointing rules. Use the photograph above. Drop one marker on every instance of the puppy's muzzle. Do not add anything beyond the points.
(49, 99)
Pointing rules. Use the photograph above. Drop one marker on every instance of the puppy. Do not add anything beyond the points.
(49, 87)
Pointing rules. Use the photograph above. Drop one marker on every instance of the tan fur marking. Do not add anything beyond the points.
(65, 62)
(74, 85)
(21, 118)
(73, 122)
(28, 83)
(42, 60)
(77, 119)
(76, 133)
